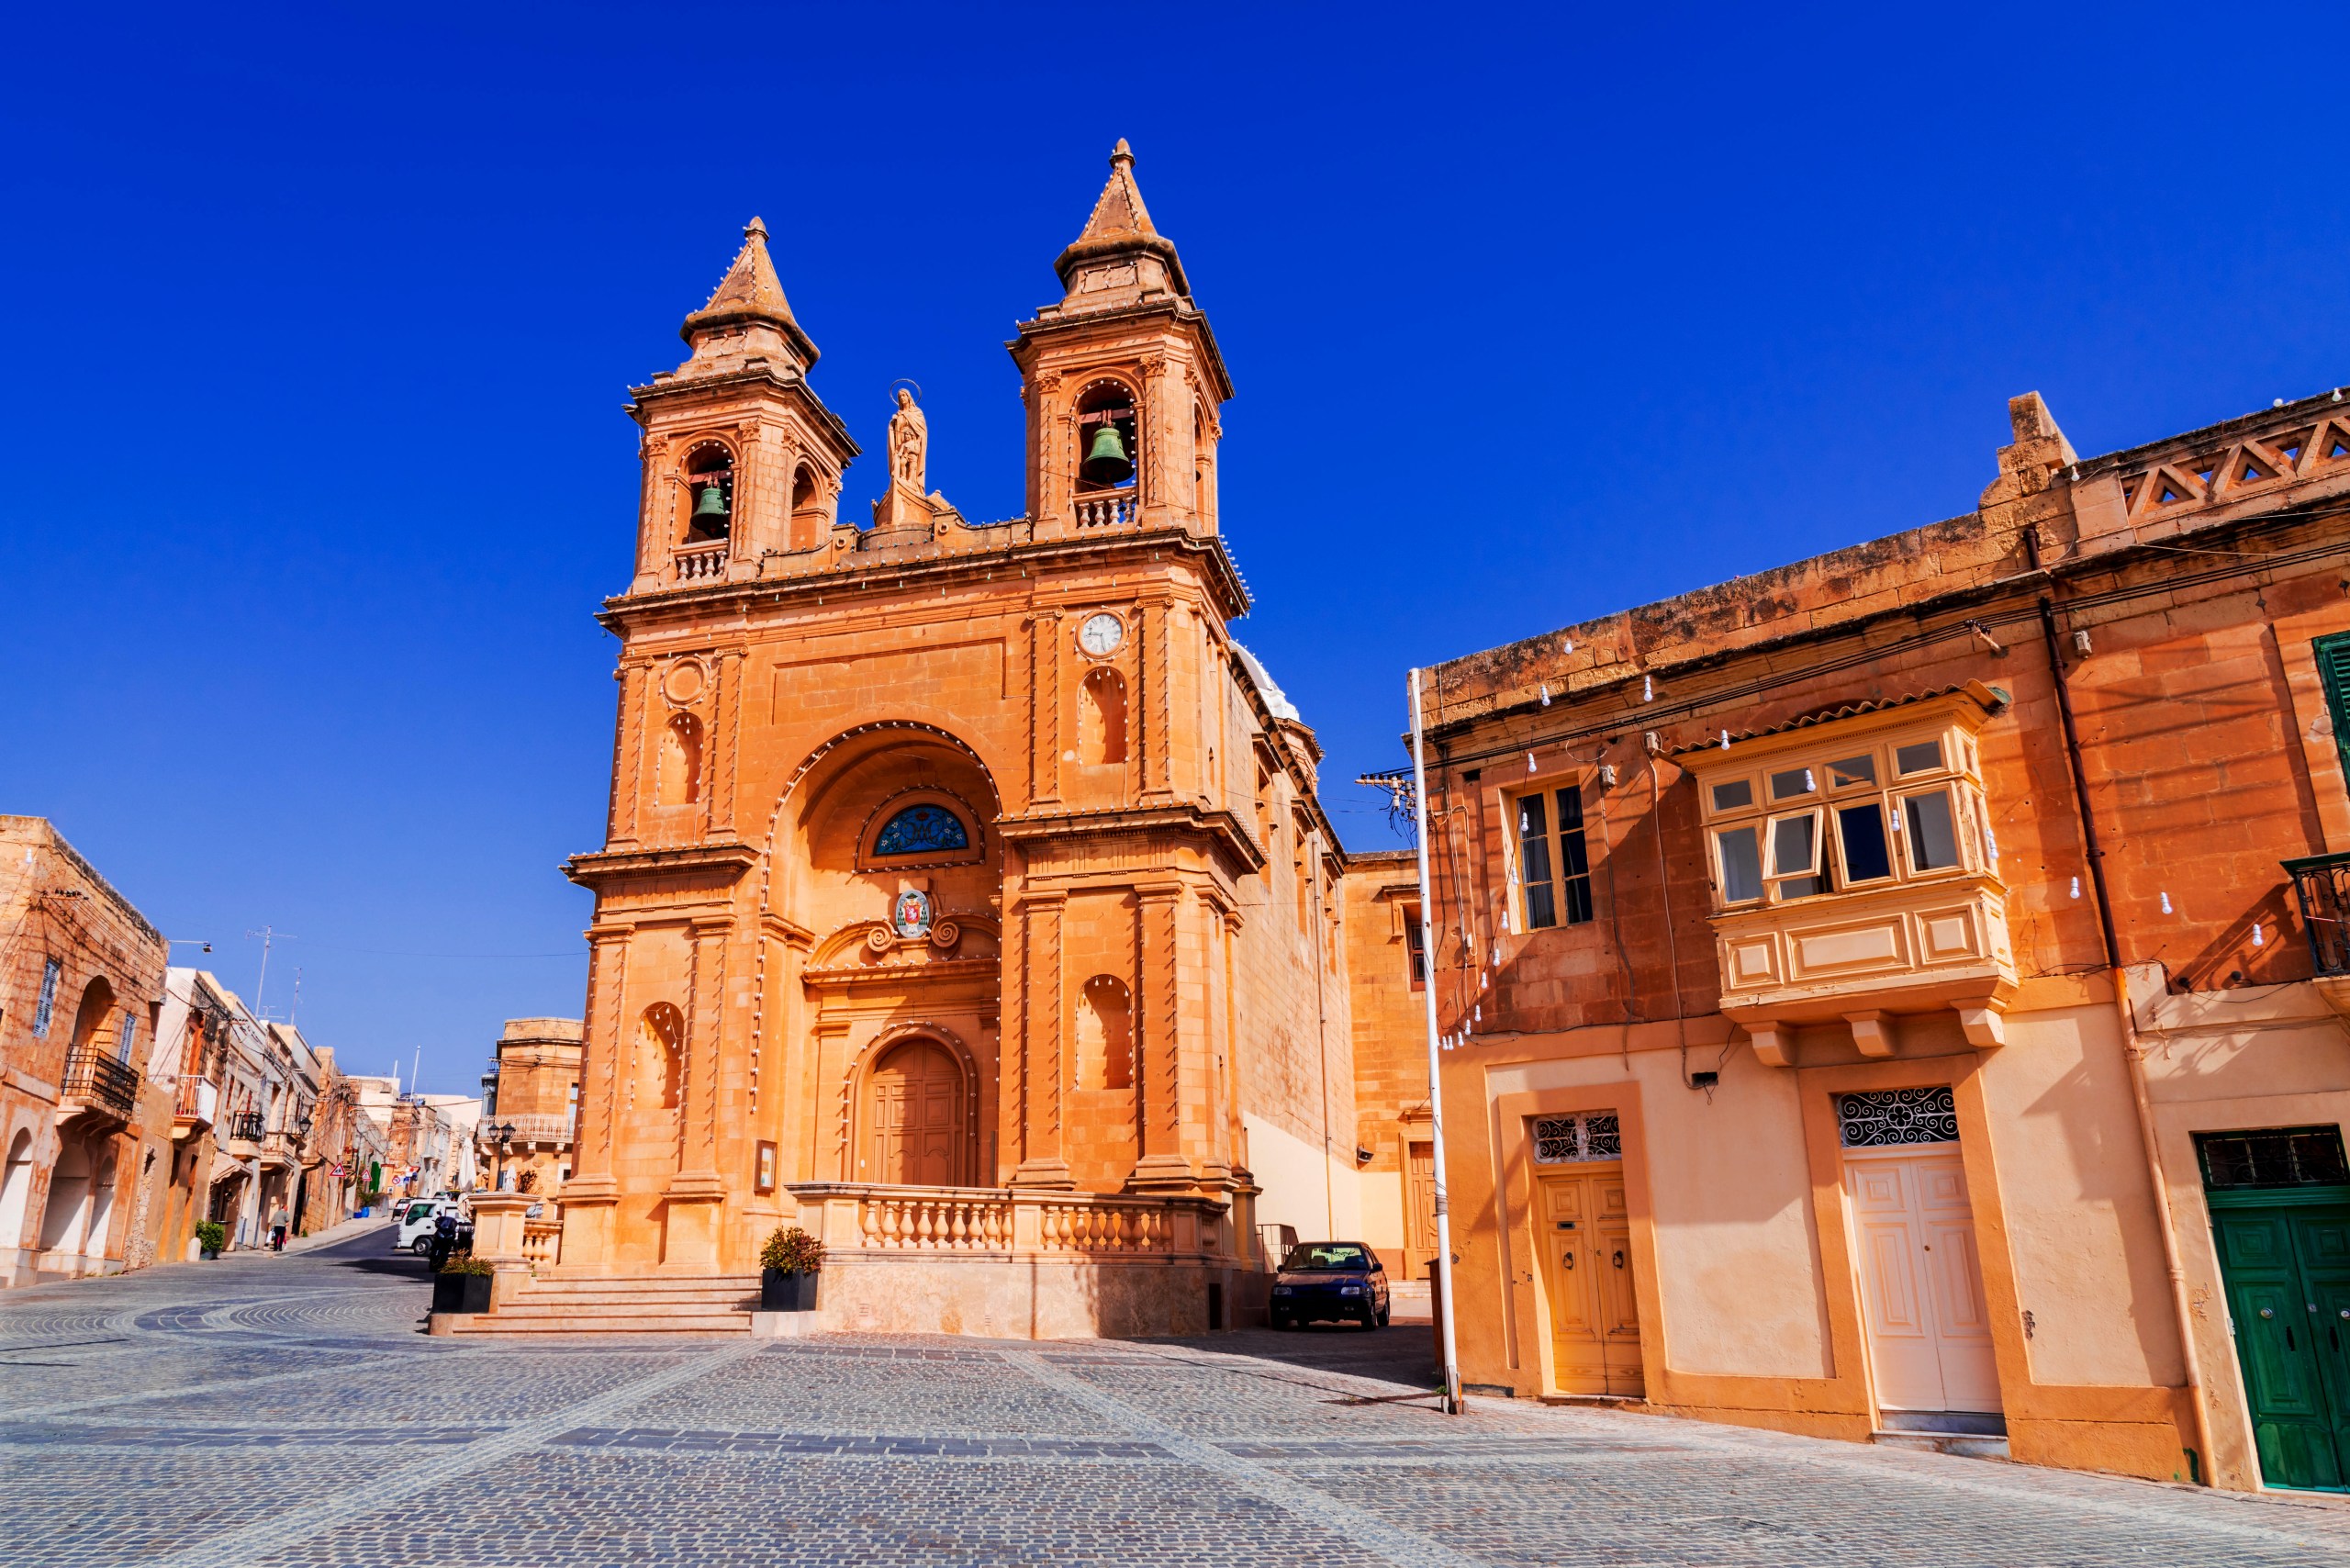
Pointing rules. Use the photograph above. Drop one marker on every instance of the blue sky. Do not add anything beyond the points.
(317, 324)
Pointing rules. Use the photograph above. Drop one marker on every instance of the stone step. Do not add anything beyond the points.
(512, 1322)
(1966, 1445)
(725, 1298)
(746, 1284)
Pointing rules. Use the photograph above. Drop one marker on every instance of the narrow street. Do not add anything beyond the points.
(291, 1411)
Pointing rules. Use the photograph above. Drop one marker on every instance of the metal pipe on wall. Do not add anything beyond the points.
(2134, 1051)
(1444, 1302)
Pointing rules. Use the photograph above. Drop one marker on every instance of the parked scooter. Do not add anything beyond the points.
(451, 1235)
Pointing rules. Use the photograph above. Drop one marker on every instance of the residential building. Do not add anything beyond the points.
(1903, 993)
(82, 1129)
(343, 1155)
(291, 1113)
(190, 1060)
(449, 1160)
(530, 1104)
(1396, 1139)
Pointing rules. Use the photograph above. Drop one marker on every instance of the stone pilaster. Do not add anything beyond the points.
(1154, 715)
(628, 754)
(1045, 707)
(1044, 1045)
(1159, 1120)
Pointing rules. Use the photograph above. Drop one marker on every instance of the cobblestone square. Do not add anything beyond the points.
(289, 1411)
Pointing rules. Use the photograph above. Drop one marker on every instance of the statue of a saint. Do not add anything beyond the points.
(909, 442)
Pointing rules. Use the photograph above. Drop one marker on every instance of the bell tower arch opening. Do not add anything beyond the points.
(707, 493)
(1109, 442)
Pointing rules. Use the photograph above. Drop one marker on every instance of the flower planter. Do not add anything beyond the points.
(210, 1254)
(461, 1292)
(780, 1291)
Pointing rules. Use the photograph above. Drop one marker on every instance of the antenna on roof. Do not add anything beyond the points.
(267, 935)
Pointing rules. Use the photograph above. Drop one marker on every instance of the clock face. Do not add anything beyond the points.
(1101, 634)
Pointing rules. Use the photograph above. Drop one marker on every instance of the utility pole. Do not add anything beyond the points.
(1444, 1302)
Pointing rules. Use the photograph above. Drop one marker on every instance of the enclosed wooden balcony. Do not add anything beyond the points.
(1914, 947)
(1856, 873)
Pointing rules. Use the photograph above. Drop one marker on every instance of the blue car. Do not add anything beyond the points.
(1330, 1282)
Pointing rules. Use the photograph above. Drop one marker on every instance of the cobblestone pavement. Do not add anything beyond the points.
(288, 1411)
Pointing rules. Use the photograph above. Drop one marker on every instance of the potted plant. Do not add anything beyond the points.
(210, 1238)
(787, 1266)
(462, 1284)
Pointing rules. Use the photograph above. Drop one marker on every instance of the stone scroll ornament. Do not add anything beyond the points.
(1887, 1118)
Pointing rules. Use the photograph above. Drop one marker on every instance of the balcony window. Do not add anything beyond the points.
(1553, 861)
(1933, 839)
(1847, 818)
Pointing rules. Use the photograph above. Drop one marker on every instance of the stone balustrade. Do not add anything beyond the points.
(703, 566)
(1027, 1263)
(1007, 1221)
(1104, 510)
(543, 1242)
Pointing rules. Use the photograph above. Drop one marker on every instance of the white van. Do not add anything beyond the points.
(417, 1224)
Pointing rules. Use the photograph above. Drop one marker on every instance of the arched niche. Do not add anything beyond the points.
(657, 1081)
(1105, 1034)
(677, 780)
(1101, 718)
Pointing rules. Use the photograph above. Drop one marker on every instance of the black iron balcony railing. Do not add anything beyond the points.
(2322, 883)
(96, 1079)
(245, 1127)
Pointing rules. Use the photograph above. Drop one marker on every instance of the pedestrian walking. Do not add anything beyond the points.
(278, 1223)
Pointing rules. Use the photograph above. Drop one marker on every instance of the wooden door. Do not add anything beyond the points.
(1922, 1281)
(1586, 1240)
(917, 1118)
(2287, 1270)
(1419, 1213)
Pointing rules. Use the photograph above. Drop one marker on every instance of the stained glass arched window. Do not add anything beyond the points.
(921, 830)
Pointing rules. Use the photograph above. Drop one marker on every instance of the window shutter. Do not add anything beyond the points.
(2333, 673)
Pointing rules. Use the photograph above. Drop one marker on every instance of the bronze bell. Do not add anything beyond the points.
(710, 503)
(1105, 460)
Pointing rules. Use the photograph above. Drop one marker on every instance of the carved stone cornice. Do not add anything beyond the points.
(1220, 829)
(721, 863)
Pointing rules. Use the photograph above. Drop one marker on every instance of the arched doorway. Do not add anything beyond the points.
(914, 1118)
(15, 1186)
(69, 1197)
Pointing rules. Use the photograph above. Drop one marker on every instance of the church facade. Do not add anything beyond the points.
(965, 898)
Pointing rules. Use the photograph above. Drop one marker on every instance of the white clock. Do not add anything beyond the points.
(1101, 634)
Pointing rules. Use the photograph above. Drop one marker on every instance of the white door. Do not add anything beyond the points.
(1922, 1281)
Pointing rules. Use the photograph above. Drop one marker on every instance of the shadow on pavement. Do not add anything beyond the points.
(372, 1253)
(1403, 1354)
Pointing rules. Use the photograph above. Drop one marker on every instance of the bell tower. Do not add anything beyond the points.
(742, 461)
(1123, 380)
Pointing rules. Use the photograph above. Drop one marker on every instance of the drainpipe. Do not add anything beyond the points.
(2134, 1051)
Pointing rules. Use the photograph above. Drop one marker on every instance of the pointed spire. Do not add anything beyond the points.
(751, 292)
(1119, 227)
